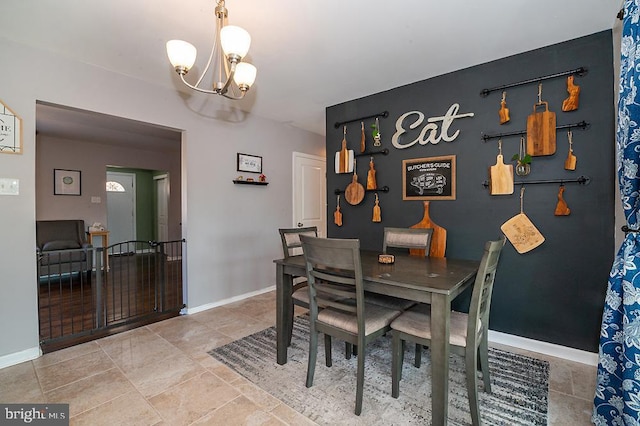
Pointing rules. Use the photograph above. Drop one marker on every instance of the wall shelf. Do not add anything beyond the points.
(244, 182)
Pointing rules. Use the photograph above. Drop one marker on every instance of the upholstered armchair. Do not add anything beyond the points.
(62, 247)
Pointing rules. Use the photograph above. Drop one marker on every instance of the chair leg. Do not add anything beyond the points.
(289, 325)
(360, 384)
(313, 353)
(327, 350)
(355, 350)
(348, 349)
(471, 361)
(418, 361)
(396, 364)
(483, 356)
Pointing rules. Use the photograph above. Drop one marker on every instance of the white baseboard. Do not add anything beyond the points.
(223, 302)
(551, 349)
(18, 357)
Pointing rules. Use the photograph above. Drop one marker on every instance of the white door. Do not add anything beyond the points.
(162, 207)
(309, 192)
(121, 207)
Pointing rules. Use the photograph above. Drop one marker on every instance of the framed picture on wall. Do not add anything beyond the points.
(10, 131)
(249, 163)
(66, 182)
(430, 178)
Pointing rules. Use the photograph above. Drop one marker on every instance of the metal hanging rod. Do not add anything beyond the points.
(581, 125)
(367, 153)
(383, 189)
(582, 180)
(579, 71)
(383, 114)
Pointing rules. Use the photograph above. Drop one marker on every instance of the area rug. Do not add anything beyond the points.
(519, 384)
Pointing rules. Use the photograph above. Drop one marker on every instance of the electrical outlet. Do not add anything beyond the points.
(9, 186)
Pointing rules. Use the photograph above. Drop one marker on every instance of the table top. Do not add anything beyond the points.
(423, 274)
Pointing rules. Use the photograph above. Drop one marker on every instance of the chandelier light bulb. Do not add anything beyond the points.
(235, 41)
(182, 54)
(245, 75)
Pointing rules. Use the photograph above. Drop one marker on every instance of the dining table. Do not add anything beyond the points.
(436, 281)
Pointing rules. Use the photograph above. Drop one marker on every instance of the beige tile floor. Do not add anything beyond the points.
(161, 374)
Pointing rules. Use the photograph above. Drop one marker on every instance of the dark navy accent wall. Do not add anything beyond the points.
(555, 292)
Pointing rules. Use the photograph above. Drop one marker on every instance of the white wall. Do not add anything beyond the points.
(231, 230)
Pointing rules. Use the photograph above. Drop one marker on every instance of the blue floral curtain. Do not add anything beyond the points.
(617, 397)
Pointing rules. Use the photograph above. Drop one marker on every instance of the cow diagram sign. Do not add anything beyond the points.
(430, 178)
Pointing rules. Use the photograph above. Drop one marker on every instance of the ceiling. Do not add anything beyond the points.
(310, 54)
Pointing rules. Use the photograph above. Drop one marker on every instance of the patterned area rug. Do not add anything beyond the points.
(519, 384)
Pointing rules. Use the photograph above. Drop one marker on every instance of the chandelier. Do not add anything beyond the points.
(230, 45)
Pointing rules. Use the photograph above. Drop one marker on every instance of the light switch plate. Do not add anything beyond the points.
(96, 200)
(9, 186)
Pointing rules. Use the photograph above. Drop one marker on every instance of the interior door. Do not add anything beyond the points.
(121, 207)
(162, 207)
(309, 192)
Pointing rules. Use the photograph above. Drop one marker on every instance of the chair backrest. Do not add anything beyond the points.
(482, 290)
(336, 264)
(60, 230)
(407, 238)
(290, 237)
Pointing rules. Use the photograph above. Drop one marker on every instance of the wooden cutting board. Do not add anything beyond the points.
(438, 238)
(541, 131)
(501, 177)
(522, 233)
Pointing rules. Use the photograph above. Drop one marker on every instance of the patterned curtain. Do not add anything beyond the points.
(617, 397)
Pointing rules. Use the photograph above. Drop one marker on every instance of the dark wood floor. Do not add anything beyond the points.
(137, 289)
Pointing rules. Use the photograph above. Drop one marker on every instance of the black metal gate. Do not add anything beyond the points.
(130, 284)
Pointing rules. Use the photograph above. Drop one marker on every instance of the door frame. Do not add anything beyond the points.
(296, 155)
(166, 192)
(135, 200)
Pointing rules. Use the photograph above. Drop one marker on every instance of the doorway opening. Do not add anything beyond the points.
(107, 150)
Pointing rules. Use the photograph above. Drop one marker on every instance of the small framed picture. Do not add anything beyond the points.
(66, 182)
(430, 178)
(249, 163)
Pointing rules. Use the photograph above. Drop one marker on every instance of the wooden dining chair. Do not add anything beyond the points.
(468, 332)
(291, 246)
(404, 239)
(336, 263)
(407, 238)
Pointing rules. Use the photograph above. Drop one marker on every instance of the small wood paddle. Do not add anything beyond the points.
(354, 193)
(501, 175)
(438, 237)
(562, 209)
(362, 139)
(376, 211)
(570, 162)
(337, 215)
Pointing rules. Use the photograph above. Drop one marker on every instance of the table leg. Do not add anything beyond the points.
(440, 318)
(284, 312)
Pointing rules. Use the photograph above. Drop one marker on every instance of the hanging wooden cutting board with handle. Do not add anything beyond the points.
(438, 237)
(501, 177)
(522, 233)
(354, 193)
(541, 131)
